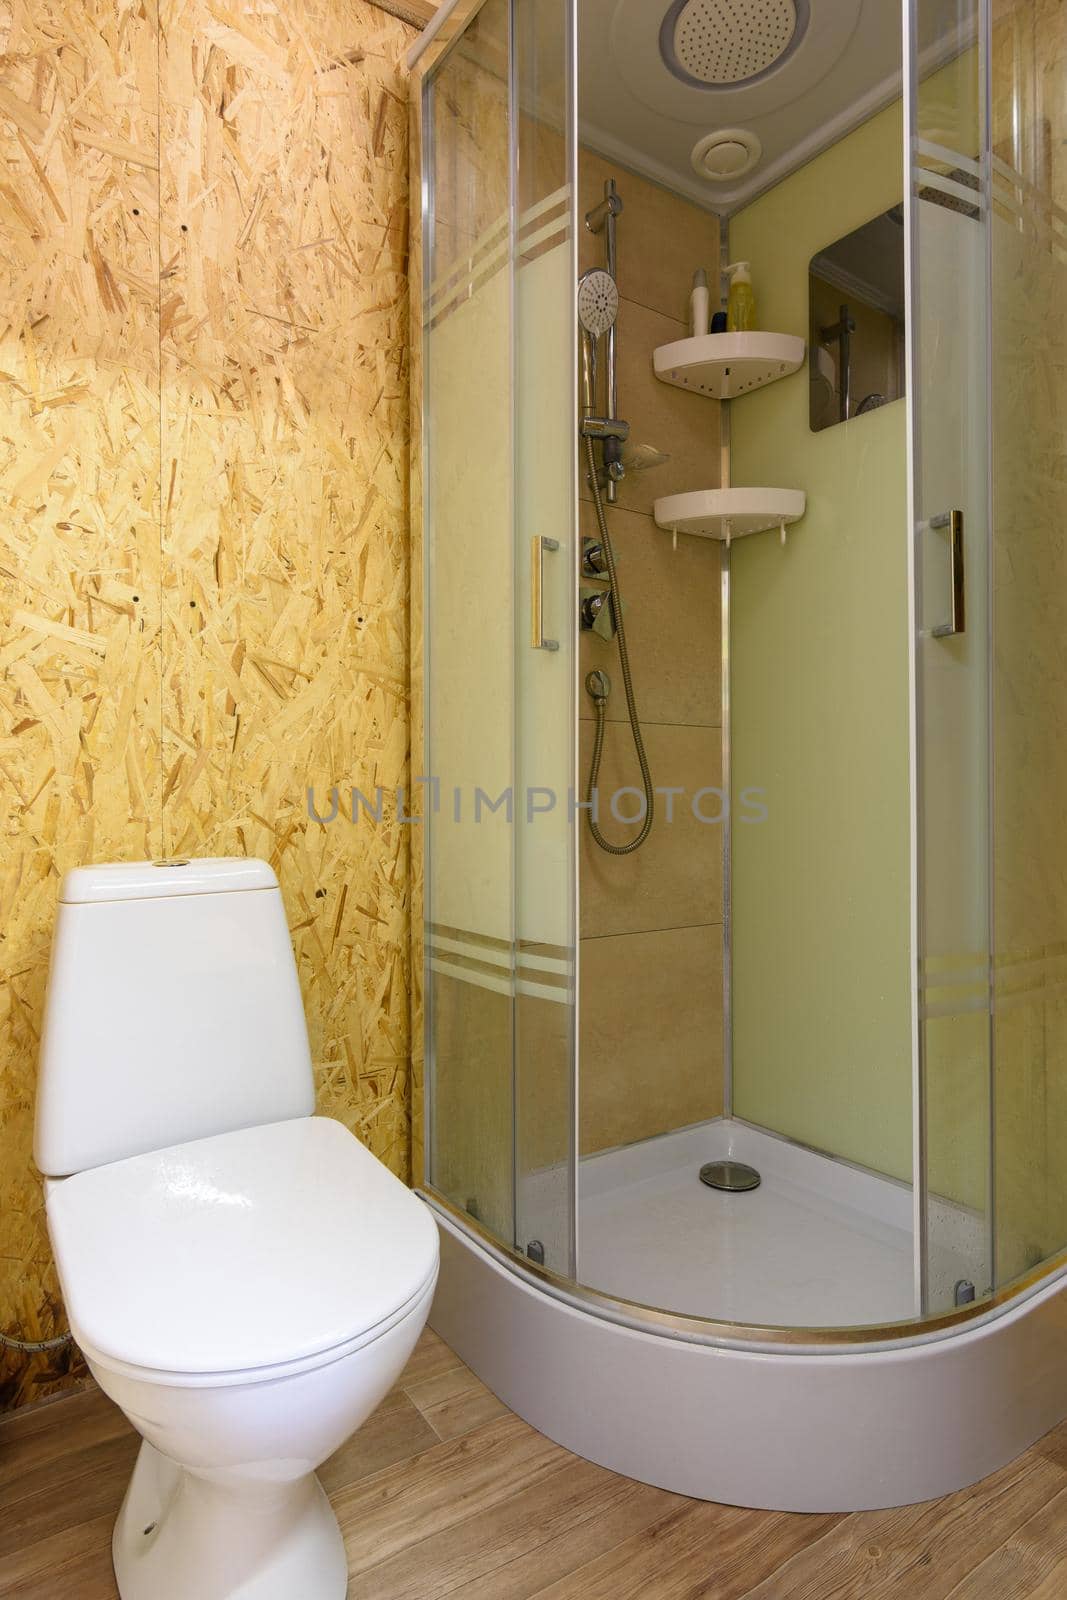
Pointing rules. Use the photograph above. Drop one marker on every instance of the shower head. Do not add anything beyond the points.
(598, 306)
(727, 44)
(598, 301)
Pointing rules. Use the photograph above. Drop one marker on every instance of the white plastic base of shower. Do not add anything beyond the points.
(819, 1243)
(790, 1427)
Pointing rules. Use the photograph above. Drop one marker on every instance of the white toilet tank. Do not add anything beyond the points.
(173, 1011)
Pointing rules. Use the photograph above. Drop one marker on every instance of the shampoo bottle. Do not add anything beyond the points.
(741, 304)
(699, 303)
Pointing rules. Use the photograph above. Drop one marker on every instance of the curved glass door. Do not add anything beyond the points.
(949, 388)
(1027, 56)
(546, 632)
(498, 360)
(990, 276)
(988, 392)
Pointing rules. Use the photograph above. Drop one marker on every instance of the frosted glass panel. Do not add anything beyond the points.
(470, 643)
(1029, 364)
(500, 511)
(951, 412)
(545, 432)
(991, 272)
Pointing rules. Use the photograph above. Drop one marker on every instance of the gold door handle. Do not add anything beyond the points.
(957, 623)
(538, 546)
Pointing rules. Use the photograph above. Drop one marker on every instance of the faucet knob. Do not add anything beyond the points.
(594, 561)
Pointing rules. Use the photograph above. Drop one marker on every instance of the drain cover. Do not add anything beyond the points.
(733, 1176)
(720, 42)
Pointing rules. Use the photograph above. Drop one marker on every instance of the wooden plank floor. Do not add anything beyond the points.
(445, 1492)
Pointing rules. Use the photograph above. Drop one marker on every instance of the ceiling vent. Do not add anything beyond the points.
(726, 154)
(725, 44)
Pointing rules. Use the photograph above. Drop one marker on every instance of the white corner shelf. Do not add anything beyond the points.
(729, 513)
(725, 365)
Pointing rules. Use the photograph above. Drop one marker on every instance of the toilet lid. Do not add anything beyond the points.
(247, 1250)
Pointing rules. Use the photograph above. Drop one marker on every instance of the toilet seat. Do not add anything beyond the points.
(239, 1258)
(418, 1306)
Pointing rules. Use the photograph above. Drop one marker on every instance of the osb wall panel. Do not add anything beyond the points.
(284, 184)
(417, 640)
(79, 534)
(202, 517)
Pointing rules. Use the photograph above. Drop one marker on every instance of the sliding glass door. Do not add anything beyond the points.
(498, 354)
(989, 190)
(950, 399)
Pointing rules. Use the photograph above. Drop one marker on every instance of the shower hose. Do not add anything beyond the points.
(34, 1346)
(600, 701)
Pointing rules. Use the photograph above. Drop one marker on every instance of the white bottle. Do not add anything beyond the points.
(699, 303)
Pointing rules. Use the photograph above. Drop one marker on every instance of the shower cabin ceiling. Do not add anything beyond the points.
(657, 78)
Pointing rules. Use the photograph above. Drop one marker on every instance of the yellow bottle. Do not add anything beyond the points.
(741, 303)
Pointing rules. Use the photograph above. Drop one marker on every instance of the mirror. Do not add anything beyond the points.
(857, 335)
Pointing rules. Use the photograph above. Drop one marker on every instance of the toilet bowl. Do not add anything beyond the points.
(247, 1294)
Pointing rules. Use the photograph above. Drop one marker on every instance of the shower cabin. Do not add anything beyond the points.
(740, 675)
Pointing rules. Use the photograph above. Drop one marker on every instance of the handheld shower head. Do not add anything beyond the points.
(598, 302)
(598, 306)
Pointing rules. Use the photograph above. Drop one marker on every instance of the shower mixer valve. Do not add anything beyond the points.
(594, 561)
(589, 612)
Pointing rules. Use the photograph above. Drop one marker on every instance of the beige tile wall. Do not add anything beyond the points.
(651, 923)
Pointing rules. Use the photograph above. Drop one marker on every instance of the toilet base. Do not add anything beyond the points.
(179, 1535)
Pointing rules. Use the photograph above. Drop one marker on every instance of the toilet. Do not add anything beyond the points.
(245, 1279)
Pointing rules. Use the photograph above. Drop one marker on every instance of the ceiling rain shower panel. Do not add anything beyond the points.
(774, 80)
